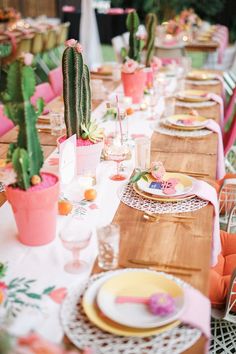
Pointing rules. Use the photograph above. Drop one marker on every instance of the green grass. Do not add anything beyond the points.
(108, 53)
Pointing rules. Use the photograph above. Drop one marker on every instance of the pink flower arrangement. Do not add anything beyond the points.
(156, 63)
(74, 44)
(157, 170)
(173, 27)
(162, 304)
(130, 66)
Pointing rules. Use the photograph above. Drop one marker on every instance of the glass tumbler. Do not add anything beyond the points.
(142, 153)
(57, 123)
(108, 246)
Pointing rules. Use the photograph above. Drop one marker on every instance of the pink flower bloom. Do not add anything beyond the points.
(157, 170)
(71, 43)
(168, 187)
(3, 285)
(79, 48)
(129, 66)
(28, 59)
(58, 295)
(156, 63)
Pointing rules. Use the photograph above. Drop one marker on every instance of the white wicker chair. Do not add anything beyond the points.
(227, 200)
(230, 160)
(223, 323)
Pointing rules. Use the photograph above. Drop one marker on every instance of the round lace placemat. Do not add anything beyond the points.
(83, 333)
(161, 128)
(131, 198)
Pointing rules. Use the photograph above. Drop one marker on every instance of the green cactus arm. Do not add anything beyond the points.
(86, 97)
(14, 82)
(11, 149)
(40, 106)
(132, 21)
(33, 144)
(27, 82)
(20, 161)
(151, 23)
(124, 54)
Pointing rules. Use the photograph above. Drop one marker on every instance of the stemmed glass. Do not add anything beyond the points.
(75, 236)
(116, 150)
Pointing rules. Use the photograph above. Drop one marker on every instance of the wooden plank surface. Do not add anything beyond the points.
(216, 88)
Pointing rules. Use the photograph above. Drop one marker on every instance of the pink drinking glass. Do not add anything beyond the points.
(75, 236)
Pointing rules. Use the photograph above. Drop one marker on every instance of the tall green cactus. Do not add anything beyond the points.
(135, 44)
(76, 91)
(26, 154)
(151, 24)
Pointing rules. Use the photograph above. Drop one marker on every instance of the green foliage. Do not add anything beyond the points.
(138, 175)
(135, 44)
(26, 155)
(151, 24)
(6, 342)
(76, 92)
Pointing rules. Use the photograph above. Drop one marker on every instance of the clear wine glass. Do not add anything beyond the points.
(75, 236)
(116, 150)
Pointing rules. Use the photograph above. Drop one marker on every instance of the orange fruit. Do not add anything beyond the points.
(35, 180)
(64, 207)
(90, 194)
(129, 111)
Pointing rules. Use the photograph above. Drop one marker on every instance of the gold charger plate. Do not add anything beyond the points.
(192, 96)
(95, 315)
(201, 75)
(161, 199)
(171, 124)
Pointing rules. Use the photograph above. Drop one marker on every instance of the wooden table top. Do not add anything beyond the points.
(165, 242)
(198, 46)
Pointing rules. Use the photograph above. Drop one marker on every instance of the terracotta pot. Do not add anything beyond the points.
(88, 157)
(134, 85)
(35, 213)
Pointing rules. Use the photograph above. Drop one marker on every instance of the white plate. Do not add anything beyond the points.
(142, 284)
(184, 187)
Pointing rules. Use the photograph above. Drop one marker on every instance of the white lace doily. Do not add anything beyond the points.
(83, 333)
(134, 200)
(195, 104)
(161, 128)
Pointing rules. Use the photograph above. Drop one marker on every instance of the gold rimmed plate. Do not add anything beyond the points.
(161, 199)
(192, 96)
(185, 122)
(200, 75)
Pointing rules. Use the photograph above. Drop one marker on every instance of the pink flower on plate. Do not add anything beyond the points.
(156, 63)
(157, 170)
(168, 186)
(28, 59)
(79, 48)
(71, 42)
(129, 66)
(58, 295)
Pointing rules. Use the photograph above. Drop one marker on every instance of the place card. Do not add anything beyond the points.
(67, 160)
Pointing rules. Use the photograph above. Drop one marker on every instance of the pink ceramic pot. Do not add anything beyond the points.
(88, 157)
(149, 77)
(134, 85)
(35, 213)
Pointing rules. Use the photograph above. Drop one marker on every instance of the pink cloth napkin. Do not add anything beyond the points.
(214, 126)
(219, 100)
(197, 312)
(205, 191)
(220, 78)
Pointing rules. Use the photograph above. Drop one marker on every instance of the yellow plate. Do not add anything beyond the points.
(200, 75)
(138, 284)
(192, 96)
(172, 122)
(98, 319)
(160, 199)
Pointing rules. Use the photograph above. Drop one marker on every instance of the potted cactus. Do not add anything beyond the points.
(34, 194)
(77, 102)
(133, 76)
(151, 24)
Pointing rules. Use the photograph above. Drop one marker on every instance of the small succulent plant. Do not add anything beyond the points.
(26, 154)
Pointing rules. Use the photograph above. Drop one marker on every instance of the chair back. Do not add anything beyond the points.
(230, 136)
(44, 91)
(37, 43)
(56, 80)
(230, 107)
(170, 53)
(227, 199)
(50, 39)
(5, 123)
(24, 46)
(118, 44)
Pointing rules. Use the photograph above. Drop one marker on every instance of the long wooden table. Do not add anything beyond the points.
(166, 242)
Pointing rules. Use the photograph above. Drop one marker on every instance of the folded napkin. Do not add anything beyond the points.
(197, 312)
(214, 126)
(220, 78)
(205, 191)
(219, 100)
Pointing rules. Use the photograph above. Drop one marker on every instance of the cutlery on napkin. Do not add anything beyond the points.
(154, 263)
(176, 272)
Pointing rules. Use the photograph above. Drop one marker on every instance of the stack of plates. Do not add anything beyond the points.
(131, 319)
(185, 122)
(150, 190)
(192, 96)
(201, 75)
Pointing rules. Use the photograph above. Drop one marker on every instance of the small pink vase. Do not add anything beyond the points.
(134, 85)
(35, 213)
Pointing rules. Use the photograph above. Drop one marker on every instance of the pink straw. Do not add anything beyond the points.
(120, 124)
